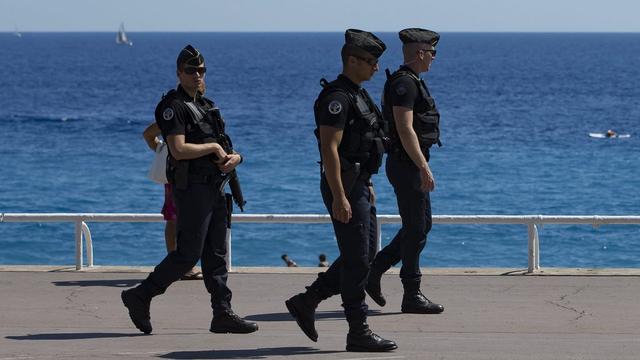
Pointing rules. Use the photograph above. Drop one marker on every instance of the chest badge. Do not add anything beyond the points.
(168, 114)
(335, 107)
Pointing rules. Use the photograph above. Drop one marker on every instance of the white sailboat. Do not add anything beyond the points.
(17, 33)
(121, 38)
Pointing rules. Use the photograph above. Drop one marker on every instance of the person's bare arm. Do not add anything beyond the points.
(330, 138)
(150, 135)
(182, 150)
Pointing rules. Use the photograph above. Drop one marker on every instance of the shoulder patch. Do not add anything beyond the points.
(335, 107)
(401, 90)
(168, 114)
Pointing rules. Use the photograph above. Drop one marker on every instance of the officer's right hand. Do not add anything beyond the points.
(219, 154)
(229, 163)
(341, 209)
(427, 182)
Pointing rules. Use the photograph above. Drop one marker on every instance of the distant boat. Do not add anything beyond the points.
(17, 33)
(607, 135)
(121, 38)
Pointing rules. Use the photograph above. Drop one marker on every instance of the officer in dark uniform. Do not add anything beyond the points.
(351, 150)
(193, 128)
(414, 125)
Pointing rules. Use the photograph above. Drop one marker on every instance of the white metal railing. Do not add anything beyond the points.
(532, 221)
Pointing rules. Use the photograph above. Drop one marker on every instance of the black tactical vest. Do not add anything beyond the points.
(363, 140)
(204, 125)
(426, 118)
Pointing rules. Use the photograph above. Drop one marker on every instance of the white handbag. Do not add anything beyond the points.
(158, 170)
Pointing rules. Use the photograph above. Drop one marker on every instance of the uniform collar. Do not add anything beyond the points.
(348, 82)
(185, 96)
(406, 68)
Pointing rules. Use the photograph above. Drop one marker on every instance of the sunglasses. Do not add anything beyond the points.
(369, 61)
(190, 70)
(431, 51)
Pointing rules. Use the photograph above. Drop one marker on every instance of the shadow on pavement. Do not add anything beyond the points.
(124, 283)
(320, 315)
(285, 316)
(260, 353)
(71, 336)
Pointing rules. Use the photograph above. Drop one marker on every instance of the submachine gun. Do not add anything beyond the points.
(232, 177)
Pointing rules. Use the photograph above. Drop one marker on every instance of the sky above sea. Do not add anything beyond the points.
(313, 16)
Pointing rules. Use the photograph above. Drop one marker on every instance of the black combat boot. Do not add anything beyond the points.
(414, 302)
(228, 322)
(303, 308)
(138, 305)
(373, 287)
(361, 339)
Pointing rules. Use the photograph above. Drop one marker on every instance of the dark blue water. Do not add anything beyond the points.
(516, 111)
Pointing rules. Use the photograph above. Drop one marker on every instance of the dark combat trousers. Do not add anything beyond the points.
(414, 206)
(357, 242)
(201, 230)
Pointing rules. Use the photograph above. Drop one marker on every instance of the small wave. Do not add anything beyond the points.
(39, 118)
(43, 118)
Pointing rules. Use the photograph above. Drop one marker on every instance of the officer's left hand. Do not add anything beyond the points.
(372, 196)
(229, 163)
(427, 181)
(341, 209)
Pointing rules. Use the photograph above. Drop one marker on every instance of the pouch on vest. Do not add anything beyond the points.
(375, 158)
(178, 172)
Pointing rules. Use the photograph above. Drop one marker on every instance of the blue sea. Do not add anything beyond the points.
(516, 112)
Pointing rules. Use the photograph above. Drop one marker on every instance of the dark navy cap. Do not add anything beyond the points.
(190, 56)
(417, 35)
(365, 41)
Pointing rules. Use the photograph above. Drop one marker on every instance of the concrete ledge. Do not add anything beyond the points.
(314, 270)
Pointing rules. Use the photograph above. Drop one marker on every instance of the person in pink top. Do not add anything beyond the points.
(151, 137)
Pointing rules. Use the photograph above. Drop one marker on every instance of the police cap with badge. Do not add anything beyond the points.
(189, 56)
(417, 35)
(364, 40)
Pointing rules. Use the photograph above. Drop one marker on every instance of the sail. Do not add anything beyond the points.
(121, 38)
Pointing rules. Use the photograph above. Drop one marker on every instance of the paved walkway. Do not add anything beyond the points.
(64, 314)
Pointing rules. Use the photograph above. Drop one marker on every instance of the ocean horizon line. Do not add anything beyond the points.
(466, 32)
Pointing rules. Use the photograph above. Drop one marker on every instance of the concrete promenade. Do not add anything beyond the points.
(492, 314)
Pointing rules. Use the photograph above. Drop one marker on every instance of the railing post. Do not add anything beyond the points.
(536, 266)
(534, 248)
(378, 234)
(227, 257)
(89, 243)
(78, 236)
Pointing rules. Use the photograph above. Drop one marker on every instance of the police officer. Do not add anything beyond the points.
(351, 150)
(192, 127)
(413, 120)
